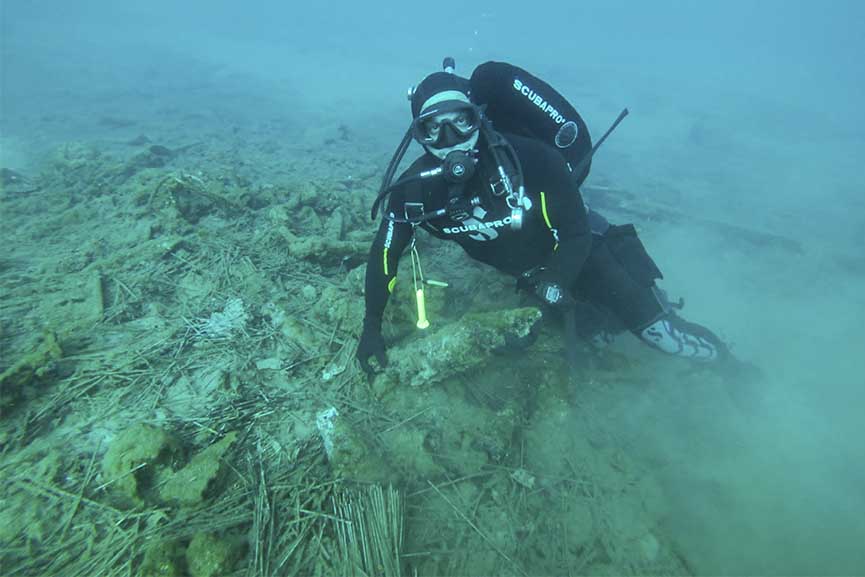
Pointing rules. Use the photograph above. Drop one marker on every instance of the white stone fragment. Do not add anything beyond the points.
(230, 319)
(324, 422)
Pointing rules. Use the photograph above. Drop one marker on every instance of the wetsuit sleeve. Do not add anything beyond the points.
(389, 243)
(564, 212)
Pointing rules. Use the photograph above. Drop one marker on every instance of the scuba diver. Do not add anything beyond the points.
(505, 155)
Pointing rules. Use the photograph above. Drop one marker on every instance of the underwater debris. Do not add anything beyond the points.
(136, 460)
(189, 195)
(524, 478)
(13, 182)
(369, 528)
(210, 556)
(154, 156)
(96, 296)
(9, 177)
(29, 370)
(324, 422)
(159, 151)
(455, 348)
(335, 368)
(189, 485)
(225, 323)
(323, 250)
(79, 171)
(349, 453)
(465, 429)
(164, 559)
(141, 466)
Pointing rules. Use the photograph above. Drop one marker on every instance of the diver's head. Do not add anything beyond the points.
(445, 119)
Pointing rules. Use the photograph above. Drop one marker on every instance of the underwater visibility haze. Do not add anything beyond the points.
(185, 195)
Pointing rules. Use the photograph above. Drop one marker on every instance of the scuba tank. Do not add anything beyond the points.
(518, 102)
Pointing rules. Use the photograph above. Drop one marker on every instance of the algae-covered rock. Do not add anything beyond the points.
(29, 370)
(354, 457)
(189, 197)
(73, 156)
(351, 455)
(140, 466)
(323, 249)
(163, 559)
(191, 200)
(189, 485)
(137, 458)
(334, 226)
(83, 171)
(456, 347)
(209, 556)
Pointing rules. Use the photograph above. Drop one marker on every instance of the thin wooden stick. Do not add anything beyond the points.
(454, 482)
(126, 474)
(56, 491)
(478, 531)
(77, 503)
(404, 421)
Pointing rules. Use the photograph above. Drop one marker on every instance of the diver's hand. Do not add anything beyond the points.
(553, 294)
(371, 344)
(547, 286)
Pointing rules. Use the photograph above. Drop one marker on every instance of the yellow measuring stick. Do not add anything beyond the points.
(422, 321)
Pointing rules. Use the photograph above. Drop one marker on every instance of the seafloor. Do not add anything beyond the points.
(179, 315)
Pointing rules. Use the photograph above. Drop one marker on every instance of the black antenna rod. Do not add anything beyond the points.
(585, 160)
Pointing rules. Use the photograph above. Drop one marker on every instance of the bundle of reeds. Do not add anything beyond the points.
(369, 528)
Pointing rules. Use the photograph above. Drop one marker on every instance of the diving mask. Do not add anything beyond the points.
(446, 126)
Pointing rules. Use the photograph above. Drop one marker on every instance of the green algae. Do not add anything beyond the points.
(210, 556)
(165, 559)
(189, 485)
(27, 373)
(136, 459)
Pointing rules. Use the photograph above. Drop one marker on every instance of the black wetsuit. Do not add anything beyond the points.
(605, 268)
(555, 231)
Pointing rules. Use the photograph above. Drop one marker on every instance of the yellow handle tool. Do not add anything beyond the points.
(422, 321)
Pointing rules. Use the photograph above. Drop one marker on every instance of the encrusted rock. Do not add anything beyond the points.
(455, 348)
(210, 556)
(189, 485)
(136, 459)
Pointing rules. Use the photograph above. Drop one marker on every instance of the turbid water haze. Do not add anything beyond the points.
(743, 114)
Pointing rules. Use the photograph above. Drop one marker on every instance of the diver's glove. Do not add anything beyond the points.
(546, 284)
(371, 344)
